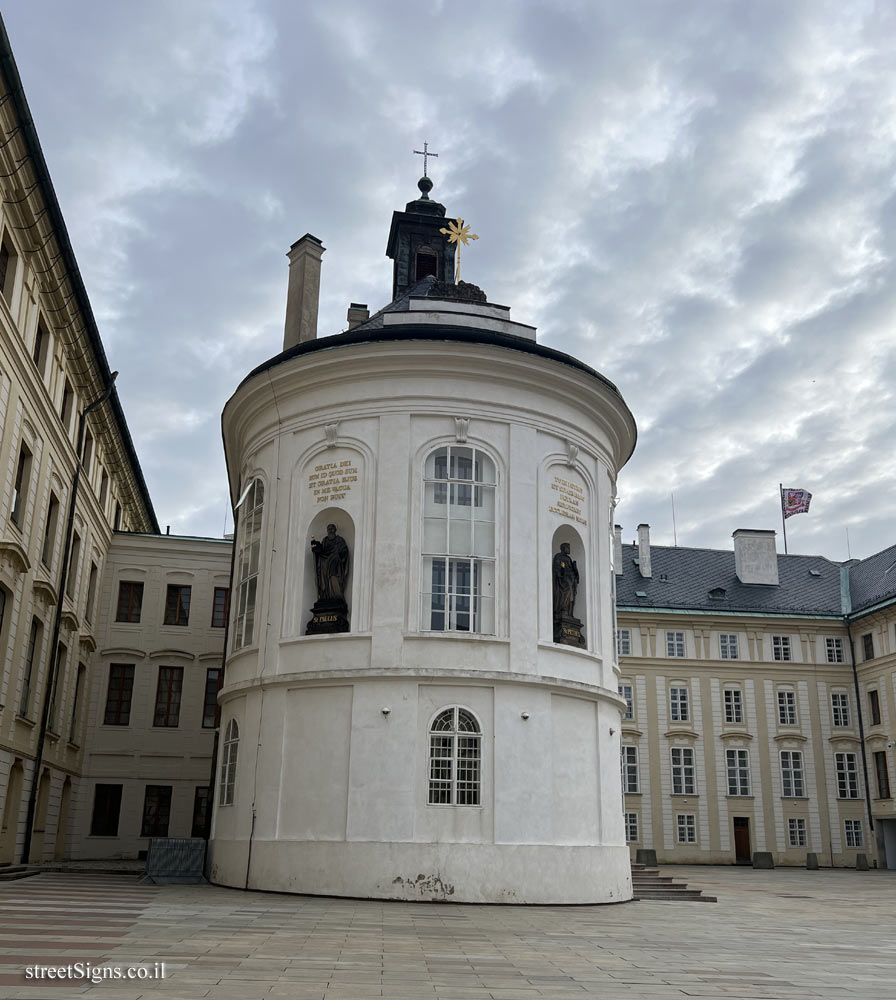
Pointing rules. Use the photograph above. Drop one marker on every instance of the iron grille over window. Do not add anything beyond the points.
(455, 759)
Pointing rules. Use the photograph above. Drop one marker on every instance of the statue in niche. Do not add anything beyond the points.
(331, 562)
(567, 628)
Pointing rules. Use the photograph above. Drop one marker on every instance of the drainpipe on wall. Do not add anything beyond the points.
(855, 680)
(52, 677)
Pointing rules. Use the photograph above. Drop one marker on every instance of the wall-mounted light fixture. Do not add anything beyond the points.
(385, 710)
(524, 715)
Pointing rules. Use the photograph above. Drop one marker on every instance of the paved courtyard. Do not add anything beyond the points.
(779, 934)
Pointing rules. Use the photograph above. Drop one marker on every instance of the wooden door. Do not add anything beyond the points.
(742, 853)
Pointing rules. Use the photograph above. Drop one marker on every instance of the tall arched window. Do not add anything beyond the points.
(247, 563)
(228, 763)
(455, 759)
(458, 541)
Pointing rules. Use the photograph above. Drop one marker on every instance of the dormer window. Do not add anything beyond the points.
(717, 594)
(426, 263)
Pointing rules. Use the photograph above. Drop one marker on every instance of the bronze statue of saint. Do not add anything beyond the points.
(566, 583)
(331, 565)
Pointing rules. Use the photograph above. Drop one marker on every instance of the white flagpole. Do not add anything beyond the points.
(783, 519)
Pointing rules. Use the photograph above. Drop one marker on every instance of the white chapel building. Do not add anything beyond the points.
(414, 496)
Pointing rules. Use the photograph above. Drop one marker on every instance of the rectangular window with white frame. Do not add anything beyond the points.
(734, 706)
(683, 773)
(853, 830)
(623, 642)
(625, 691)
(728, 646)
(847, 775)
(787, 708)
(840, 709)
(630, 781)
(738, 765)
(781, 647)
(796, 831)
(833, 646)
(631, 828)
(679, 706)
(675, 644)
(793, 785)
(687, 828)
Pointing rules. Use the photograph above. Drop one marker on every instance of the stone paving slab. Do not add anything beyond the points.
(786, 934)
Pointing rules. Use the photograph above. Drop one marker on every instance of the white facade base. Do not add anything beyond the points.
(460, 873)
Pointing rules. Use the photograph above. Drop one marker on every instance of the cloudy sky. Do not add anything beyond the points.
(696, 198)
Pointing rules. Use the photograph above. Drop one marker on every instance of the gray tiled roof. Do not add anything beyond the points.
(683, 578)
(873, 580)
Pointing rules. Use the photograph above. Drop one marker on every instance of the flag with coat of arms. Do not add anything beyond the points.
(795, 502)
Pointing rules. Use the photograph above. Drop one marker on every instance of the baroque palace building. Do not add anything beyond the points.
(423, 703)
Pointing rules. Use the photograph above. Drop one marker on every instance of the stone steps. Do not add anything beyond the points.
(9, 873)
(648, 885)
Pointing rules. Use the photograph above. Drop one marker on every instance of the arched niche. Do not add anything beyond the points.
(345, 527)
(567, 533)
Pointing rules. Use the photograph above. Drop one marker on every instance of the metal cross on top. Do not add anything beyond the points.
(458, 233)
(424, 153)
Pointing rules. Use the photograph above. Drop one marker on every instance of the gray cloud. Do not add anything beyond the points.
(696, 199)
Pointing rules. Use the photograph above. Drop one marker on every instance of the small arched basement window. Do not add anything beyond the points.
(455, 759)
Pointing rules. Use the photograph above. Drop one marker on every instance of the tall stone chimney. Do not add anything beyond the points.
(755, 556)
(358, 313)
(644, 550)
(617, 548)
(303, 293)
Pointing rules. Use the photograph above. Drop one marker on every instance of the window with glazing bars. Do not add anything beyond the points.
(630, 783)
(781, 647)
(623, 642)
(34, 643)
(675, 644)
(683, 777)
(853, 830)
(792, 783)
(734, 705)
(458, 571)
(796, 828)
(167, 713)
(874, 707)
(834, 649)
(728, 646)
(687, 828)
(625, 691)
(177, 604)
(840, 708)
(738, 764)
(678, 704)
(247, 564)
(787, 708)
(631, 827)
(455, 759)
(847, 775)
(228, 764)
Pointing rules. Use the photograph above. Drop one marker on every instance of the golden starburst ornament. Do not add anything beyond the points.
(459, 234)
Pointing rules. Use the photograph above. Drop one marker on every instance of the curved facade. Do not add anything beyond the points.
(445, 746)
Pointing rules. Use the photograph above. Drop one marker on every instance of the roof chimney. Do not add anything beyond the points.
(644, 550)
(755, 556)
(357, 313)
(303, 293)
(617, 549)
